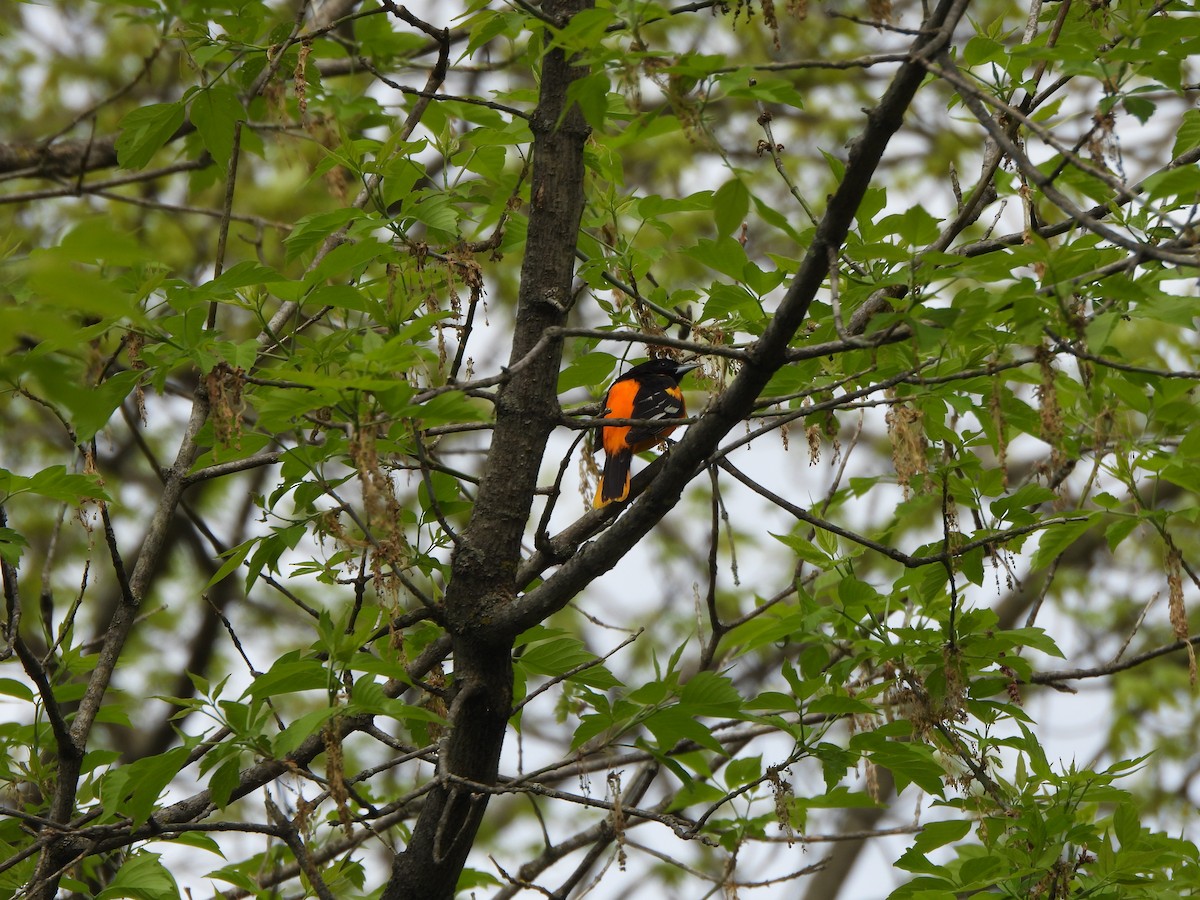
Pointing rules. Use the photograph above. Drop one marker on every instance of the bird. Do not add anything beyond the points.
(648, 391)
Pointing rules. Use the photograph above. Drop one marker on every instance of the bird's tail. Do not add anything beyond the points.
(614, 483)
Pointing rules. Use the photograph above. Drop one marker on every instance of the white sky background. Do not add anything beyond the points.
(1072, 727)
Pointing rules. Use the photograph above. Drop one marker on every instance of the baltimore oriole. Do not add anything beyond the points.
(648, 391)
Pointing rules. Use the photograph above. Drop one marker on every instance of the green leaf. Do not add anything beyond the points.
(772, 701)
(133, 789)
(873, 202)
(54, 483)
(145, 130)
(1036, 638)
(12, 688)
(560, 655)
(731, 301)
(584, 30)
(79, 290)
(838, 705)
(224, 782)
(470, 878)
(91, 410)
(488, 24)
(243, 274)
(803, 548)
(200, 841)
(915, 227)
(1181, 182)
(710, 694)
(288, 676)
(839, 797)
(939, 834)
(1126, 824)
(591, 370)
(350, 257)
(310, 231)
(592, 94)
(724, 255)
(731, 204)
(342, 296)
(96, 240)
(232, 875)
(743, 771)
(1056, 539)
(436, 210)
(1140, 108)
(1187, 137)
(777, 219)
(767, 88)
(971, 565)
(672, 725)
(215, 112)
(980, 49)
(590, 726)
(301, 729)
(234, 557)
(453, 407)
(141, 877)
(12, 545)
(910, 762)
(1117, 531)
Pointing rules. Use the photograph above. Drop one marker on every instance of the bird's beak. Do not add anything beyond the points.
(682, 370)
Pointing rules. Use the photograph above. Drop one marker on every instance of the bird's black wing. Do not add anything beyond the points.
(658, 398)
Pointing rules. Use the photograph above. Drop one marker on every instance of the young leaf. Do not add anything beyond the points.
(144, 131)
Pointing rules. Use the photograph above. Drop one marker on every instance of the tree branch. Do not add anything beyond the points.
(769, 353)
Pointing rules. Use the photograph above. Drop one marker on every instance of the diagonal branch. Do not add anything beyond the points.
(765, 356)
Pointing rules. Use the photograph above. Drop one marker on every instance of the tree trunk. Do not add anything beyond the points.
(484, 569)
